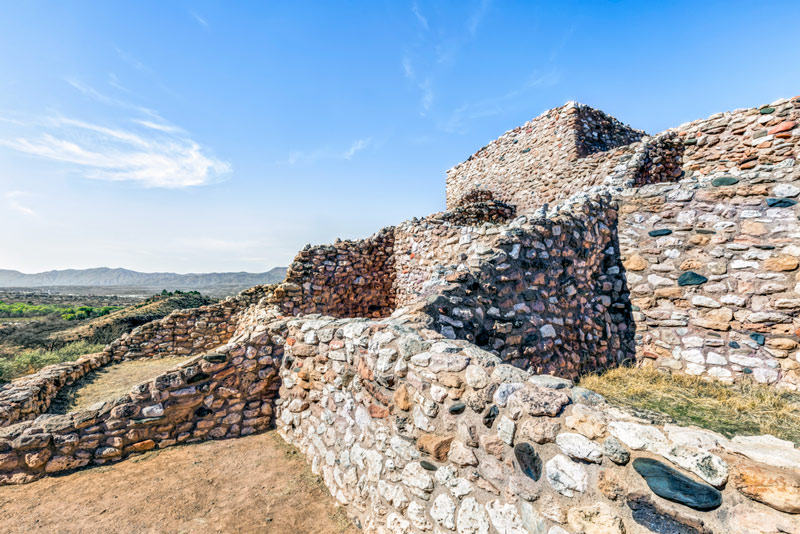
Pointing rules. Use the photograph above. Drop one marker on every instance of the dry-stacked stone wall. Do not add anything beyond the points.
(29, 396)
(712, 261)
(533, 165)
(346, 279)
(415, 433)
(182, 332)
(224, 394)
(549, 295)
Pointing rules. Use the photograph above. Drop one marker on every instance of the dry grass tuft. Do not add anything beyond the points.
(748, 408)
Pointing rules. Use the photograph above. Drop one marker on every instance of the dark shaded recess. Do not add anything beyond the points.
(199, 377)
(215, 358)
(482, 339)
(202, 411)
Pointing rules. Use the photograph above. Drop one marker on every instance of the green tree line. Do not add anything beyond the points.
(25, 310)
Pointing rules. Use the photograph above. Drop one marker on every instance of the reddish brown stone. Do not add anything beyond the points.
(378, 412)
(402, 398)
(436, 446)
(782, 127)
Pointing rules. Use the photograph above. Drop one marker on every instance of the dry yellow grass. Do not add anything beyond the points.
(743, 409)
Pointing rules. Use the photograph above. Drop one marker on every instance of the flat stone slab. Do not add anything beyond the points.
(672, 485)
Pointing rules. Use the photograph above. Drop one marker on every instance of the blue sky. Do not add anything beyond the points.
(223, 136)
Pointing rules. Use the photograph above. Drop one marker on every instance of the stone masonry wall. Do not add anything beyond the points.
(548, 295)
(531, 165)
(182, 332)
(346, 279)
(27, 397)
(415, 433)
(712, 261)
(224, 394)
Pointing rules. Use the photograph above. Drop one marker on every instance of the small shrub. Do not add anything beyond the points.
(31, 360)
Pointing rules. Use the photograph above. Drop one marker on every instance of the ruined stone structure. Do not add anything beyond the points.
(427, 371)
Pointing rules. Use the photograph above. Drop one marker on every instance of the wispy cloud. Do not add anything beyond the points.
(146, 150)
(477, 17)
(14, 202)
(436, 47)
(200, 20)
(420, 17)
(327, 153)
(133, 61)
(488, 107)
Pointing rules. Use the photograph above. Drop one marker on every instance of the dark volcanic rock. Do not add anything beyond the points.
(658, 519)
(528, 460)
(672, 485)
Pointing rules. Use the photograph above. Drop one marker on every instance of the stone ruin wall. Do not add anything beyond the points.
(345, 279)
(549, 296)
(224, 394)
(415, 433)
(532, 165)
(182, 332)
(712, 261)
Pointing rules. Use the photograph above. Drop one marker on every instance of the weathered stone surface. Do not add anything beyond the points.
(461, 455)
(539, 430)
(656, 518)
(578, 447)
(535, 400)
(566, 476)
(777, 488)
(472, 518)
(443, 511)
(435, 445)
(765, 449)
(615, 451)
(597, 519)
(744, 519)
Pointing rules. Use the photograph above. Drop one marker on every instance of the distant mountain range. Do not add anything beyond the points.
(104, 276)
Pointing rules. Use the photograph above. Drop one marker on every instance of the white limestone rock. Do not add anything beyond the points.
(578, 447)
(566, 476)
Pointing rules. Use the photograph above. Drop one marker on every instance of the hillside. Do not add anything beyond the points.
(52, 333)
(104, 276)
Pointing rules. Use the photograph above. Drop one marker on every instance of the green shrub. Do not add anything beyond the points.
(31, 360)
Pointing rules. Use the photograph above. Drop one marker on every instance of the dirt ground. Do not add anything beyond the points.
(245, 485)
(111, 382)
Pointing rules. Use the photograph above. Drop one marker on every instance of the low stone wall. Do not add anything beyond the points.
(346, 279)
(548, 296)
(228, 393)
(27, 397)
(412, 432)
(182, 332)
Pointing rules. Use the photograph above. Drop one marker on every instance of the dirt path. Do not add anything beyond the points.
(245, 485)
(111, 382)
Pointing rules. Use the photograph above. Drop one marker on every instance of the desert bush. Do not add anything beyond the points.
(31, 360)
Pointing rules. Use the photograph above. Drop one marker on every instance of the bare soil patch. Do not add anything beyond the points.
(245, 485)
(111, 382)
